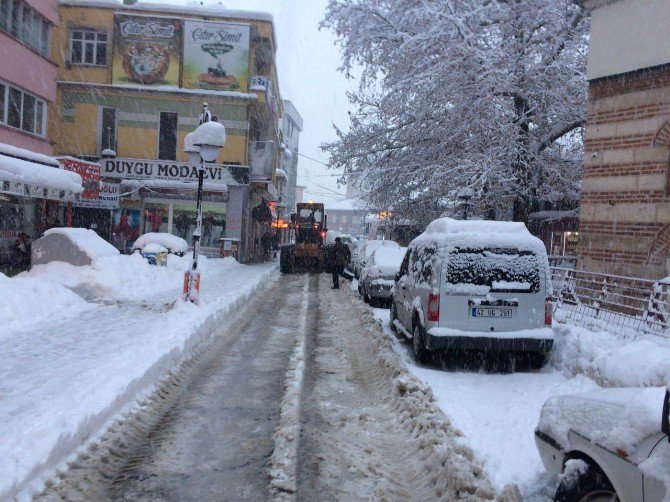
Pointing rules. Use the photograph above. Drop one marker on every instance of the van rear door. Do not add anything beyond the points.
(492, 290)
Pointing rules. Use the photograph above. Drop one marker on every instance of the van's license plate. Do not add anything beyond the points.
(490, 312)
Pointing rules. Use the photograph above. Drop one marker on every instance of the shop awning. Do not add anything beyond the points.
(21, 176)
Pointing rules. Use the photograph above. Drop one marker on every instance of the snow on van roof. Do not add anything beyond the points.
(476, 233)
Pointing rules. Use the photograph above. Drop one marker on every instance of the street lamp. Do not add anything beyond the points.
(202, 145)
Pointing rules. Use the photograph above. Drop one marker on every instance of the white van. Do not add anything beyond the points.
(475, 285)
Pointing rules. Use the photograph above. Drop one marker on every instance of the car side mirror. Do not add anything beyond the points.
(665, 421)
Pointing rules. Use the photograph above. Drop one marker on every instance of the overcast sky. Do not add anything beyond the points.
(307, 62)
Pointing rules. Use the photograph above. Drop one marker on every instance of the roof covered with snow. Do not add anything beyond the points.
(31, 173)
(481, 233)
(280, 173)
(87, 241)
(22, 153)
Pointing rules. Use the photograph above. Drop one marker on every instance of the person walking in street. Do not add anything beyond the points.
(340, 257)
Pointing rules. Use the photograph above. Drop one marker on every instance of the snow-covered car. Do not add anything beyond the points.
(377, 278)
(365, 253)
(355, 253)
(609, 444)
(475, 285)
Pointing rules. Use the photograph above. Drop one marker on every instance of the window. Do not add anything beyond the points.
(22, 110)
(25, 24)
(14, 108)
(88, 47)
(501, 270)
(167, 136)
(108, 129)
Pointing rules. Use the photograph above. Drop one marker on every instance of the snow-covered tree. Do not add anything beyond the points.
(481, 94)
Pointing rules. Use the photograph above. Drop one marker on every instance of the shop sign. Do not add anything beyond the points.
(108, 197)
(147, 50)
(90, 176)
(216, 56)
(140, 169)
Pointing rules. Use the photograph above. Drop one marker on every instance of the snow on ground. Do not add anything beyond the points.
(67, 374)
(612, 360)
(498, 414)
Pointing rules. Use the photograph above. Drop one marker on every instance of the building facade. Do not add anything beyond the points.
(132, 80)
(291, 129)
(625, 200)
(32, 185)
(27, 72)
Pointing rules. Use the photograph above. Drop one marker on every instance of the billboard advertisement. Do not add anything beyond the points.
(216, 56)
(147, 50)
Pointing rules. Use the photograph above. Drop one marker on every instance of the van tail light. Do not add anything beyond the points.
(548, 311)
(433, 307)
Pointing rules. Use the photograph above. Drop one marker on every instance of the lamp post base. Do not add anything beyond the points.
(191, 290)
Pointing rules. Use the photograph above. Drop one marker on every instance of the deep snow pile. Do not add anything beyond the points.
(171, 242)
(65, 379)
(611, 359)
(87, 241)
(27, 300)
(117, 277)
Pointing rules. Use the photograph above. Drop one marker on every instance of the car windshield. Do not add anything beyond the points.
(313, 215)
(500, 269)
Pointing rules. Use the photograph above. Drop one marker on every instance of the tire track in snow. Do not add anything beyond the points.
(369, 429)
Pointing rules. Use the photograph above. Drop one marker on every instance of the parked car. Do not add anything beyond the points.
(611, 444)
(378, 277)
(355, 253)
(365, 253)
(475, 285)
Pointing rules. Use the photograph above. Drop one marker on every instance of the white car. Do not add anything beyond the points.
(365, 252)
(475, 285)
(377, 279)
(610, 444)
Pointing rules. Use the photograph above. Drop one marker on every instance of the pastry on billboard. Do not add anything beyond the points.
(218, 77)
(146, 63)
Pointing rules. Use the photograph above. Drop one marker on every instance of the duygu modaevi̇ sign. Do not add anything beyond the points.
(216, 56)
(147, 50)
(139, 169)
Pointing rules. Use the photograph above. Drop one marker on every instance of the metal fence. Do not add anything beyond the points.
(630, 305)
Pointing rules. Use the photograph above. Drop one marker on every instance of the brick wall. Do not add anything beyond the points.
(625, 202)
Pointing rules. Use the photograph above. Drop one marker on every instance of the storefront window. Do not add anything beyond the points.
(213, 222)
(155, 217)
(17, 228)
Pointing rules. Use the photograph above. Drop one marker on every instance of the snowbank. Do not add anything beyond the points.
(610, 359)
(65, 381)
(119, 277)
(173, 243)
(26, 301)
(87, 241)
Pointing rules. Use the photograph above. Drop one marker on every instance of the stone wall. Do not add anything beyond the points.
(625, 202)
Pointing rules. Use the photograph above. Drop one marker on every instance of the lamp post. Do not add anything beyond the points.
(202, 145)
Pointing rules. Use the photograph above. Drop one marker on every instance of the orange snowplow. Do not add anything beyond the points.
(307, 253)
